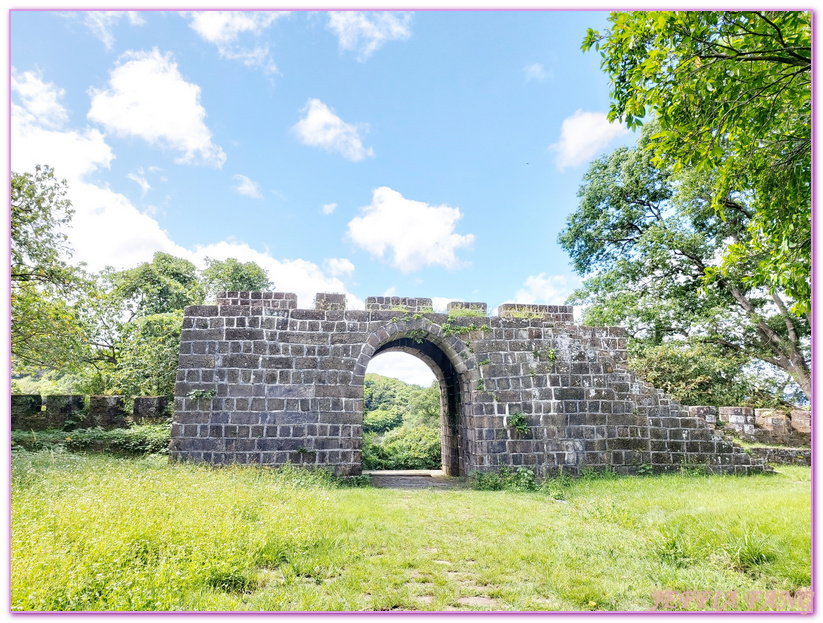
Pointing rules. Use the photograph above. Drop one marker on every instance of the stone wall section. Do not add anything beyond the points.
(784, 456)
(801, 420)
(262, 381)
(398, 303)
(768, 426)
(150, 409)
(27, 412)
(68, 412)
(61, 410)
(584, 409)
(271, 300)
(267, 383)
(106, 412)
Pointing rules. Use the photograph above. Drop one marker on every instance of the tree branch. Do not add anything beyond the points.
(741, 349)
(786, 318)
(780, 35)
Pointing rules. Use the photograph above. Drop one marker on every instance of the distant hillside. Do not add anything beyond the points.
(401, 424)
(389, 402)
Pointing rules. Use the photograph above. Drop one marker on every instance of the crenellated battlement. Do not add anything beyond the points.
(327, 301)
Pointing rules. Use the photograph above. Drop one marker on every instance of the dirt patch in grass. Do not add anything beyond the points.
(476, 600)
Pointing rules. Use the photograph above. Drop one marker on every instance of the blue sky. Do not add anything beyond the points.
(432, 154)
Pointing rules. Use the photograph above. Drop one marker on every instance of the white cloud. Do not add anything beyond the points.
(141, 181)
(390, 291)
(34, 140)
(106, 227)
(338, 266)
(403, 366)
(258, 56)
(367, 31)
(328, 208)
(416, 234)
(300, 276)
(582, 135)
(439, 303)
(535, 71)
(224, 28)
(39, 99)
(108, 230)
(246, 187)
(101, 23)
(147, 97)
(546, 289)
(322, 128)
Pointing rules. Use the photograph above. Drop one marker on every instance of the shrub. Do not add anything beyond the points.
(381, 420)
(520, 479)
(403, 448)
(137, 440)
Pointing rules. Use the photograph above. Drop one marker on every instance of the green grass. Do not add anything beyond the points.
(97, 532)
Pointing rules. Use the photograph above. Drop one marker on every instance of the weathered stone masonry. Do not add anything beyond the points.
(261, 381)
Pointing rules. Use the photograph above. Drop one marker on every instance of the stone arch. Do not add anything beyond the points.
(455, 368)
(260, 380)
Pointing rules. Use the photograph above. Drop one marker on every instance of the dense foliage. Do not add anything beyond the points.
(647, 240)
(147, 364)
(231, 275)
(732, 93)
(44, 330)
(137, 440)
(401, 424)
(381, 420)
(404, 447)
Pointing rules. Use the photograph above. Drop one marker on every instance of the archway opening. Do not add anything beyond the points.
(411, 418)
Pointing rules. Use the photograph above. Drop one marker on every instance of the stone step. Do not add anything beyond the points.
(414, 479)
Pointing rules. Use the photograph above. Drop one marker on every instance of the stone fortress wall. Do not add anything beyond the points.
(262, 381)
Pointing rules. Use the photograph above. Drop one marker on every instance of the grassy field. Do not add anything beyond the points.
(93, 532)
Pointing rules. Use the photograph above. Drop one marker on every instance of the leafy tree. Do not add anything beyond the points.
(164, 285)
(386, 393)
(424, 407)
(695, 372)
(44, 320)
(133, 320)
(392, 400)
(380, 420)
(118, 331)
(732, 93)
(233, 276)
(147, 361)
(645, 239)
(39, 213)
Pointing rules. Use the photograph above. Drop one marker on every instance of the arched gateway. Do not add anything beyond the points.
(260, 381)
